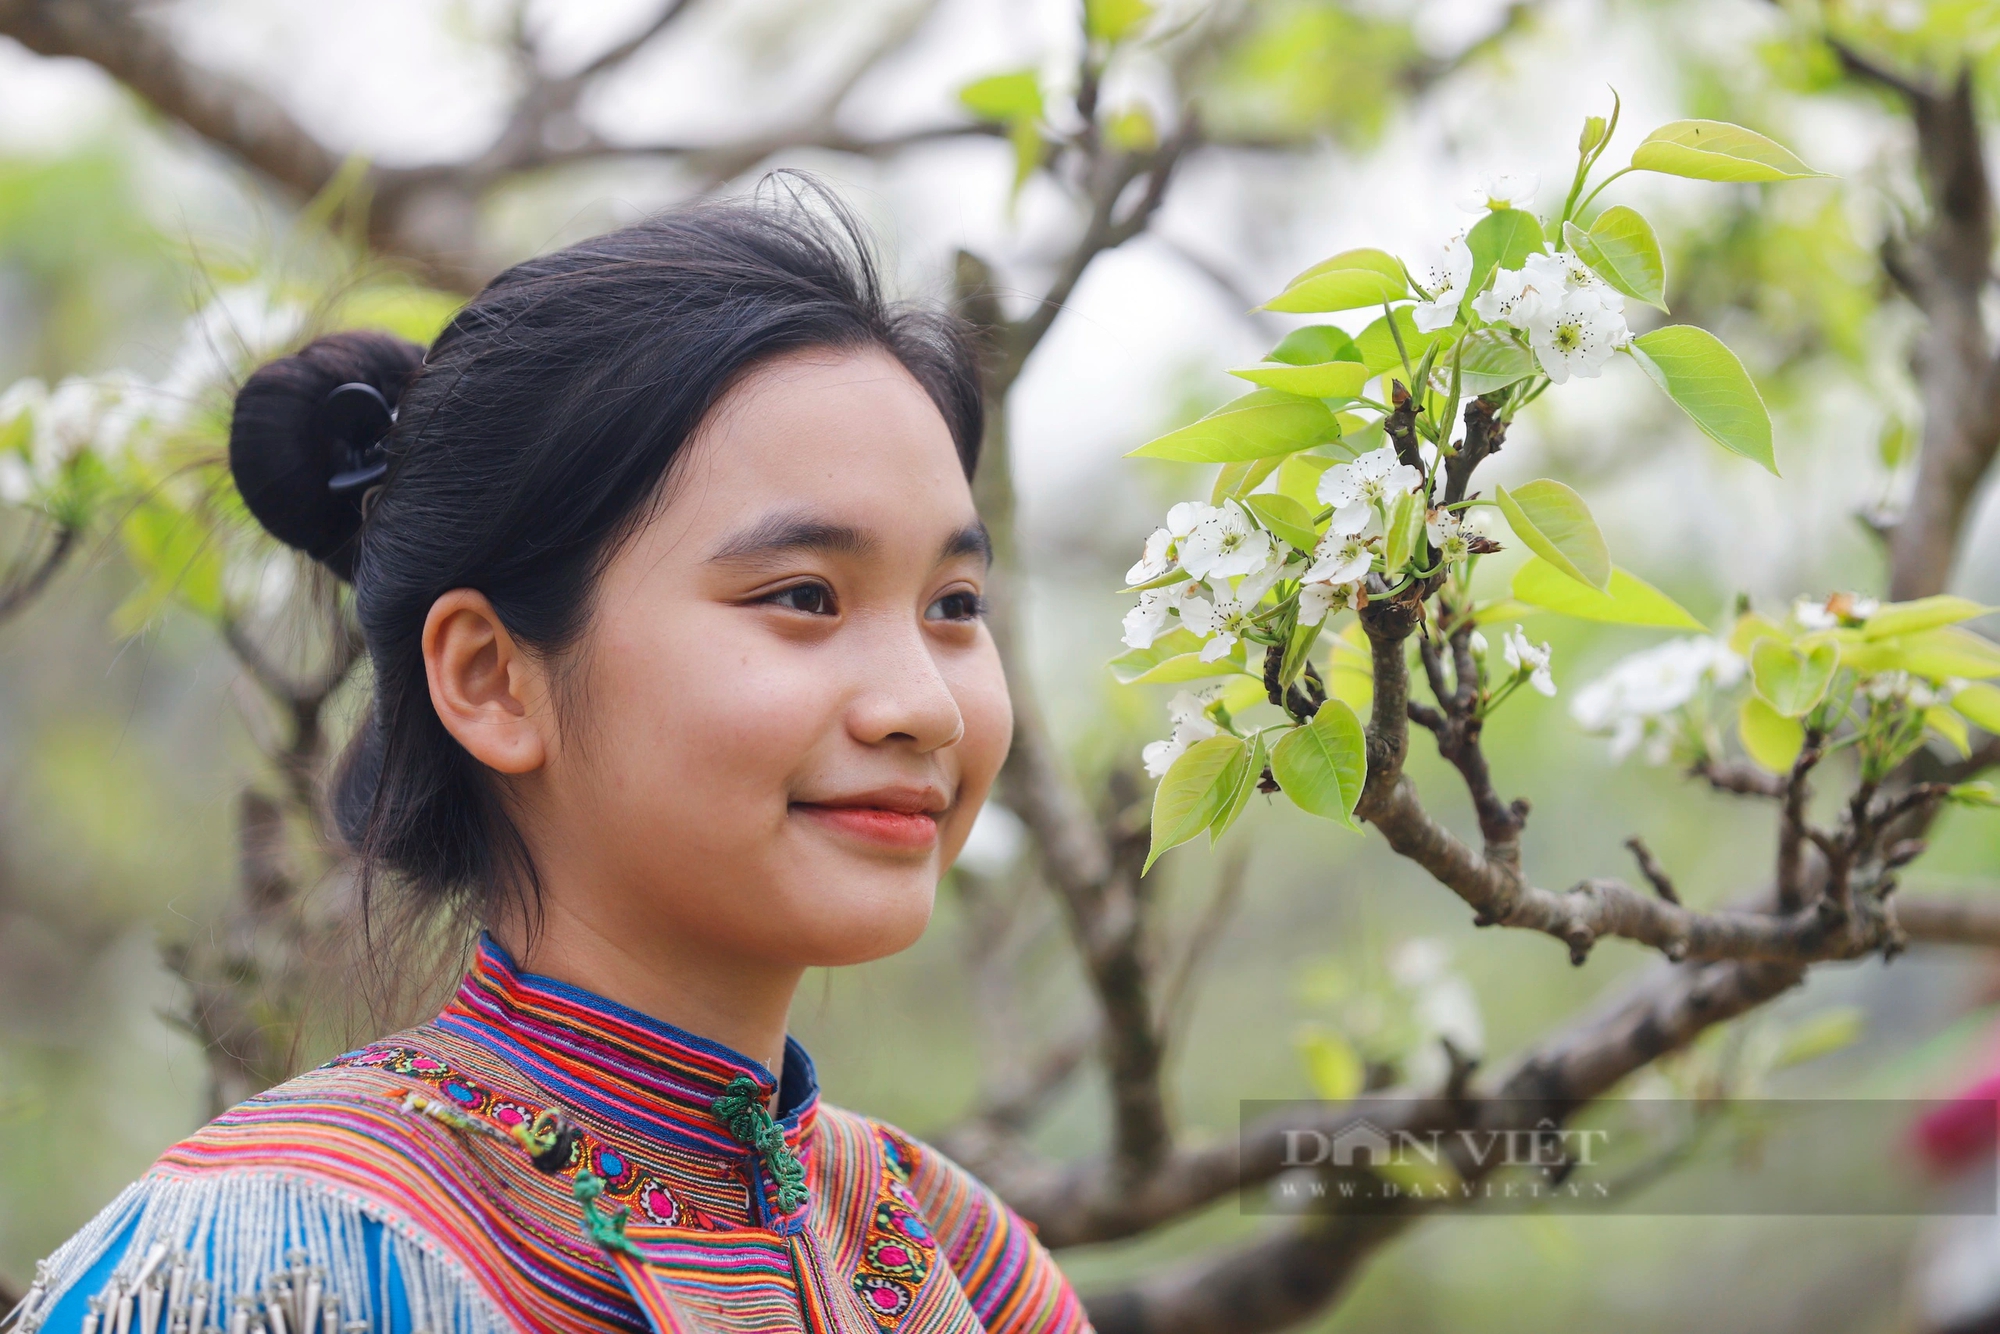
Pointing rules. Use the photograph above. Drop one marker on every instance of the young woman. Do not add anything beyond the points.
(667, 561)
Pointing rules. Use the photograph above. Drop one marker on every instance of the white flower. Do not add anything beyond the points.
(1479, 645)
(1514, 189)
(1342, 558)
(1446, 278)
(1188, 712)
(1155, 561)
(1221, 621)
(1576, 337)
(1525, 657)
(1148, 621)
(1514, 298)
(1448, 536)
(1319, 601)
(1355, 489)
(1635, 699)
(1224, 543)
(1814, 615)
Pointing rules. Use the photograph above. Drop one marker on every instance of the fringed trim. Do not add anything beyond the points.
(255, 1253)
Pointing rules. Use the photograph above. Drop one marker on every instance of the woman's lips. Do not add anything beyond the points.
(878, 825)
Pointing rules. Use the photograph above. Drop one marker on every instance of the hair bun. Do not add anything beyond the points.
(287, 443)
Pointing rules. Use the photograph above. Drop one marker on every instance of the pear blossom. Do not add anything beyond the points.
(1154, 561)
(1635, 701)
(1515, 298)
(1224, 543)
(1577, 336)
(1188, 712)
(1525, 657)
(1148, 621)
(1159, 554)
(1498, 190)
(1356, 489)
(1220, 621)
(1317, 601)
(1563, 270)
(1479, 645)
(1343, 558)
(1899, 687)
(1447, 535)
(1447, 279)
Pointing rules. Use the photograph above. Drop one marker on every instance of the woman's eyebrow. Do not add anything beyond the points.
(776, 534)
(970, 540)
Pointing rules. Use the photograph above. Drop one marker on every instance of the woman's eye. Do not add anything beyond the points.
(962, 605)
(814, 599)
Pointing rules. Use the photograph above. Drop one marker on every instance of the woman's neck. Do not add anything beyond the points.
(740, 1005)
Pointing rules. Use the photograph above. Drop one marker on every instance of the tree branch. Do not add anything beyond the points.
(1945, 272)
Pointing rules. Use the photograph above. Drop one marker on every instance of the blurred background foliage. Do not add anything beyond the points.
(127, 730)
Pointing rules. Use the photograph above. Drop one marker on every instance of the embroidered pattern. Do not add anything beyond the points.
(625, 1180)
(899, 1250)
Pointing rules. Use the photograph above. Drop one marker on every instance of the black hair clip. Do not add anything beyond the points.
(357, 418)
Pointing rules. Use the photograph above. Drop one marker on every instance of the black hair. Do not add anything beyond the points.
(529, 440)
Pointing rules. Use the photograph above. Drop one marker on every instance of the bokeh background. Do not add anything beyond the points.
(125, 740)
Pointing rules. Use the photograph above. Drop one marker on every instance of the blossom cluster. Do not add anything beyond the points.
(1638, 702)
(122, 416)
(1231, 563)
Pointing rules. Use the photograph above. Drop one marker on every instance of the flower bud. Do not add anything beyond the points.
(1592, 136)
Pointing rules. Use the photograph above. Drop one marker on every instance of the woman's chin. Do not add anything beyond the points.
(840, 929)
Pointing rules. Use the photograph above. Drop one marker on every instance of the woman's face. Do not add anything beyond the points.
(788, 708)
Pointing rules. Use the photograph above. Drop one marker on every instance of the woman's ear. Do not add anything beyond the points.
(491, 695)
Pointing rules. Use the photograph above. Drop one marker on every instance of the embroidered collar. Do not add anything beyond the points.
(644, 1074)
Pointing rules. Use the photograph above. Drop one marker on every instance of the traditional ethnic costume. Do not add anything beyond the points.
(540, 1158)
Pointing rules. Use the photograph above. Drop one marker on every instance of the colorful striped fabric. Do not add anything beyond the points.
(390, 1191)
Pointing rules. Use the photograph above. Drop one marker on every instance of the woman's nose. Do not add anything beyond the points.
(902, 695)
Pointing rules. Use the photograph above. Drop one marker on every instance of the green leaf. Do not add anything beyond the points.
(1714, 150)
(1951, 727)
(1114, 20)
(1233, 479)
(1503, 239)
(1948, 651)
(1241, 780)
(1327, 379)
(1136, 666)
(1258, 425)
(1351, 279)
(1285, 517)
(1378, 346)
(1711, 386)
(1905, 618)
(406, 310)
(1005, 98)
(1323, 765)
(1191, 793)
(1792, 682)
(1490, 359)
(1314, 344)
(1829, 1031)
(1979, 793)
(1405, 526)
(1769, 738)
(1182, 666)
(1627, 600)
(181, 560)
(1555, 524)
(1298, 477)
(1981, 703)
(1334, 1067)
(1621, 248)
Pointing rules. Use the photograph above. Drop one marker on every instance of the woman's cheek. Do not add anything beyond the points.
(988, 711)
(719, 727)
